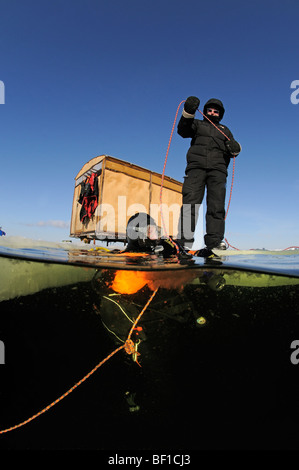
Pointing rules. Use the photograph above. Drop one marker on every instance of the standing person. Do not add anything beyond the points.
(207, 160)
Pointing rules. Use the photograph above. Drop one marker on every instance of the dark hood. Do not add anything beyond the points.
(213, 102)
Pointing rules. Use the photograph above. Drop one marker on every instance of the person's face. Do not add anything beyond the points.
(213, 112)
(152, 232)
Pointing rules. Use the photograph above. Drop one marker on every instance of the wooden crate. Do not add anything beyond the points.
(123, 190)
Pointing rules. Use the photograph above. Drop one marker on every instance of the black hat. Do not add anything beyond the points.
(214, 103)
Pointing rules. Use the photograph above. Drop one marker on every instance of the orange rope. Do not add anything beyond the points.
(163, 174)
(141, 313)
(62, 396)
(231, 187)
(231, 245)
(166, 157)
(128, 348)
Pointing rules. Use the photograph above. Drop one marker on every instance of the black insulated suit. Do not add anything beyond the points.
(207, 161)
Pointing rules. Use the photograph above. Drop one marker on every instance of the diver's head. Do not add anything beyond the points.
(142, 231)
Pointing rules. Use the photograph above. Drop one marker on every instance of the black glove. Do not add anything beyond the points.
(191, 104)
(233, 147)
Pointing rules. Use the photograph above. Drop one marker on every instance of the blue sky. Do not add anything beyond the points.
(89, 77)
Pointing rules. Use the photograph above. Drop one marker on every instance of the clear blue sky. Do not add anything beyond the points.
(90, 77)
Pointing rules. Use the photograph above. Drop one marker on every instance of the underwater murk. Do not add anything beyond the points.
(213, 362)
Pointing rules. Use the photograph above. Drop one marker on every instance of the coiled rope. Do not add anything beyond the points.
(128, 346)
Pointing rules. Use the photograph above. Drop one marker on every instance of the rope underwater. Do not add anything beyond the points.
(129, 350)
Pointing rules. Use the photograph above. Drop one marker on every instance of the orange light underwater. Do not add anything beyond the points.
(130, 282)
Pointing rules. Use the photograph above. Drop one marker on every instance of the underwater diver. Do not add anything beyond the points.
(212, 147)
(118, 311)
